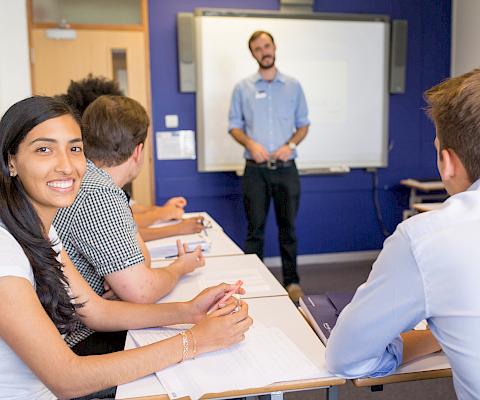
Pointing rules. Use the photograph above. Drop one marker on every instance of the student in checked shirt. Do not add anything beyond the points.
(98, 230)
(80, 94)
(429, 268)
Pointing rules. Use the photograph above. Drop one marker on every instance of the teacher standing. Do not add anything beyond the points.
(269, 117)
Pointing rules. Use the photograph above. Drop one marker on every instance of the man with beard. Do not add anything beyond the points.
(268, 116)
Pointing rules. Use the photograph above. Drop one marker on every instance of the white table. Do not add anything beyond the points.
(432, 366)
(421, 191)
(222, 245)
(207, 218)
(258, 280)
(270, 311)
(424, 207)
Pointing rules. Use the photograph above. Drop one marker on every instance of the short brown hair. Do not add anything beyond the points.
(256, 35)
(112, 127)
(454, 107)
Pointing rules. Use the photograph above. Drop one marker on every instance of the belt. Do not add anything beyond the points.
(271, 164)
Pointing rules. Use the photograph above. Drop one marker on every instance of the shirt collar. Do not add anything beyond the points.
(91, 165)
(279, 77)
(475, 185)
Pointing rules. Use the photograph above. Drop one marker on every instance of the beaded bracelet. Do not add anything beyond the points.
(194, 349)
(185, 345)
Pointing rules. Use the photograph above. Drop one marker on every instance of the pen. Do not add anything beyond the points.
(227, 295)
(176, 255)
(205, 224)
(187, 252)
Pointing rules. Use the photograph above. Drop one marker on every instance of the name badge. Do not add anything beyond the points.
(261, 94)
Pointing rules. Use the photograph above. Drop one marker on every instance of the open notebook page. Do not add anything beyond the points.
(266, 356)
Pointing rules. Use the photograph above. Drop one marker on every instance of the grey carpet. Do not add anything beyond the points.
(347, 277)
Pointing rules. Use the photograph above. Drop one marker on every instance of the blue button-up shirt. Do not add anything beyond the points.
(428, 269)
(268, 112)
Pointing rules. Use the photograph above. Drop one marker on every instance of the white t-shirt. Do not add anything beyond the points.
(17, 381)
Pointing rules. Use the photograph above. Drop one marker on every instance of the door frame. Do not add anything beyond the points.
(144, 186)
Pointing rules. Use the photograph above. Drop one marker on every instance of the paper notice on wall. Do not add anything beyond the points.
(175, 145)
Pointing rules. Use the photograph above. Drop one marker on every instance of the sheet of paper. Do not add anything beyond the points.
(257, 279)
(421, 326)
(167, 247)
(175, 145)
(253, 281)
(266, 356)
(161, 224)
(193, 283)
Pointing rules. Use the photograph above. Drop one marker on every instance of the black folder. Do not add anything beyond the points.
(322, 310)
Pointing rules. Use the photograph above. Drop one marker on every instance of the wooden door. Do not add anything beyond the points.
(56, 62)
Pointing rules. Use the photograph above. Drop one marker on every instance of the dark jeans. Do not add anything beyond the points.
(101, 343)
(260, 185)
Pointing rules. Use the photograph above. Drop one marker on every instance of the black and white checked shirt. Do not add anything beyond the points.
(99, 234)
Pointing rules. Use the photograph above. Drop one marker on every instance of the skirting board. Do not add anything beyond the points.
(327, 258)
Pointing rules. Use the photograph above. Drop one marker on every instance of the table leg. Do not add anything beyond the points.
(332, 393)
(413, 198)
(271, 396)
(276, 396)
(376, 388)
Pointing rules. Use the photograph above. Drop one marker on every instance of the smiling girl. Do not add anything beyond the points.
(42, 295)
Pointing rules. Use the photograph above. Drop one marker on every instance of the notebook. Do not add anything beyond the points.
(322, 311)
(167, 247)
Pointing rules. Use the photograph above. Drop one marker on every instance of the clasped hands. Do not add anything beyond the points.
(224, 326)
(261, 155)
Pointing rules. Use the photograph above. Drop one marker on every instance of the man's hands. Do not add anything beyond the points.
(258, 152)
(283, 153)
(179, 202)
(190, 225)
(188, 261)
(172, 209)
(185, 263)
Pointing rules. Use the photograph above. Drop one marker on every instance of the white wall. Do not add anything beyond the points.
(465, 36)
(14, 59)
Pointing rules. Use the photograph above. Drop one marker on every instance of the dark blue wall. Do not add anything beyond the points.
(337, 212)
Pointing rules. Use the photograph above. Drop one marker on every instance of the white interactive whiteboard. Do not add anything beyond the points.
(342, 65)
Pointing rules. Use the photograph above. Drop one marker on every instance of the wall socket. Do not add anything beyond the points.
(171, 121)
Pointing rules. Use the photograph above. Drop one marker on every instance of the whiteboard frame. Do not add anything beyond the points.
(218, 12)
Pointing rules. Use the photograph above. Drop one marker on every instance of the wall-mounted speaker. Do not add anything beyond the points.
(398, 56)
(186, 52)
(296, 6)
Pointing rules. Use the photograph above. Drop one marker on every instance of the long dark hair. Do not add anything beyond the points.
(19, 216)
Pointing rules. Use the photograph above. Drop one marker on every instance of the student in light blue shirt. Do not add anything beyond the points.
(269, 117)
(429, 268)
